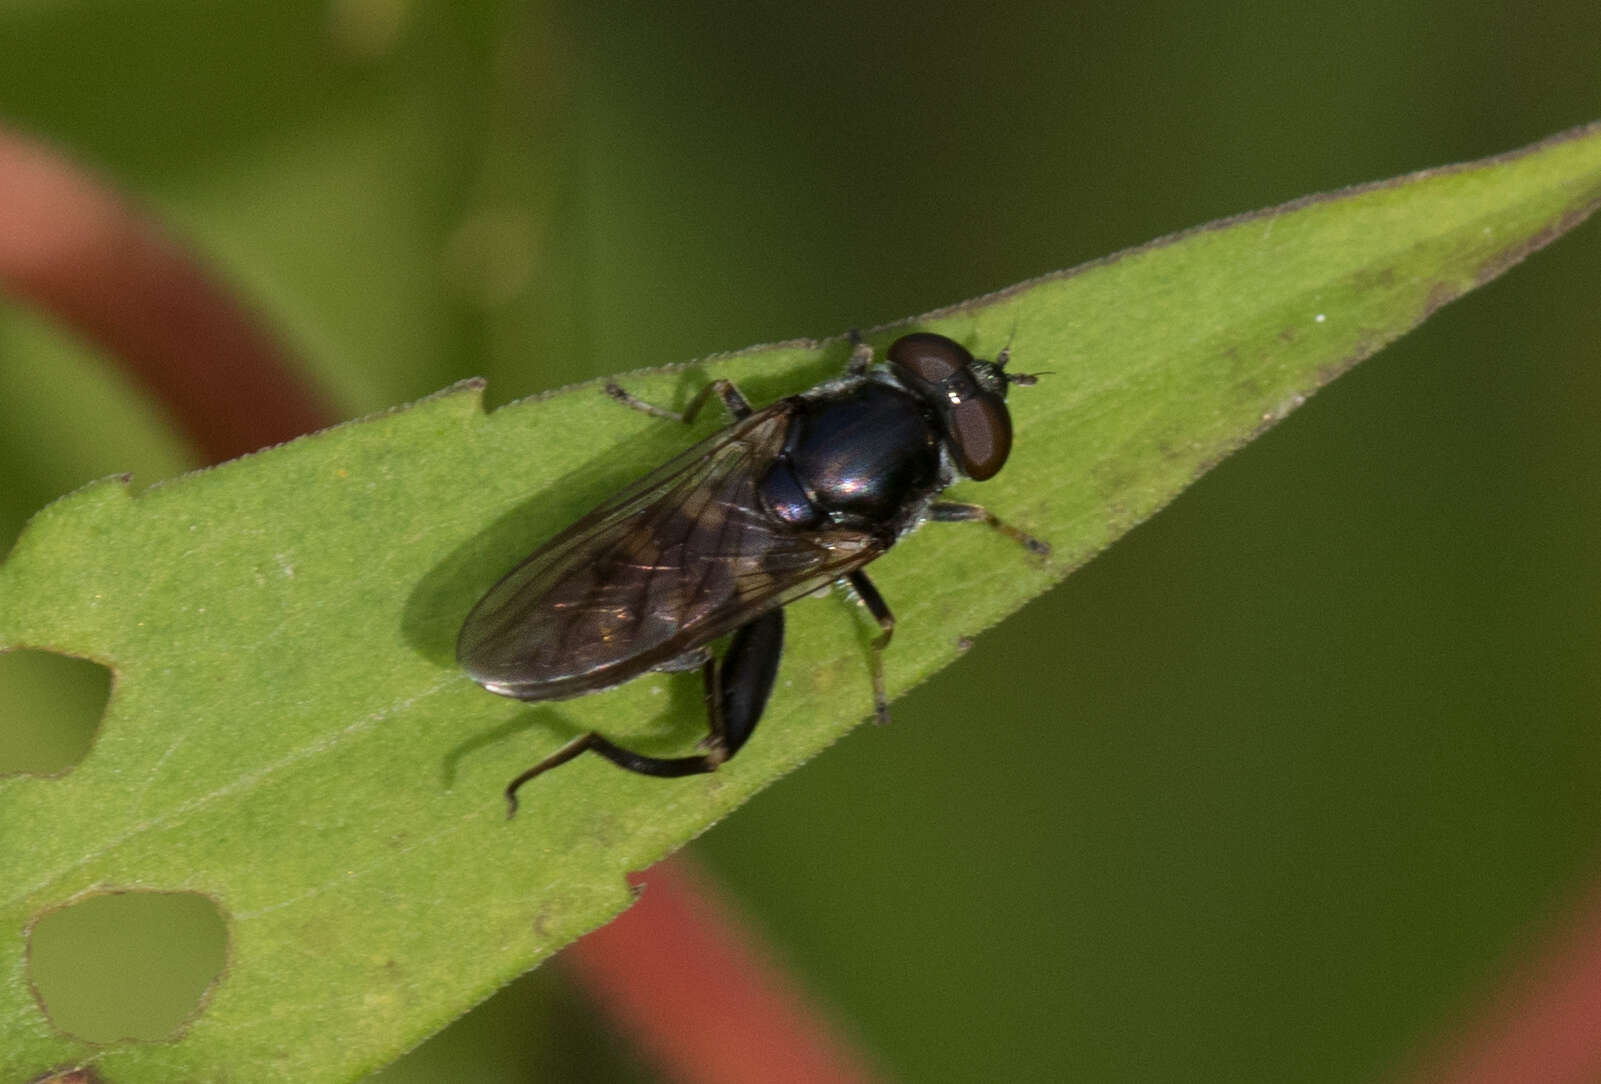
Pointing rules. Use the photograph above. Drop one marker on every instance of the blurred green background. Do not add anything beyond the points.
(1275, 789)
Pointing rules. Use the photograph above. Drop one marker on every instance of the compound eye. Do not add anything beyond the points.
(928, 357)
(980, 432)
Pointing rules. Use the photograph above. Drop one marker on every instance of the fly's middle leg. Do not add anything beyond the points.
(886, 622)
(735, 402)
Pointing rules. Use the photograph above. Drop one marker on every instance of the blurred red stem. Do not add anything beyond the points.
(691, 983)
(1543, 1023)
(82, 253)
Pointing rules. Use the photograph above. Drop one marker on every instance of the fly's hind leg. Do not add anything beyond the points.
(886, 622)
(737, 687)
(663, 768)
(735, 402)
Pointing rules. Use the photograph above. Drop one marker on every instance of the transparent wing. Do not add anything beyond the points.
(674, 561)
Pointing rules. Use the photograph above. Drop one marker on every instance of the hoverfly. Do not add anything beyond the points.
(786, 500)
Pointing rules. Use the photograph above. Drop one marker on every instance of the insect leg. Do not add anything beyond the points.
(876, 606)
(861, 355)
(737, 691)
(737, 688)
(952, 512)
(661, 767)
(732, 399)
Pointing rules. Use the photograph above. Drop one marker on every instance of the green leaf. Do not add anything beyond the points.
(288, 733)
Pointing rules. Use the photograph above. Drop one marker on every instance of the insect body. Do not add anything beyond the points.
(787, 499)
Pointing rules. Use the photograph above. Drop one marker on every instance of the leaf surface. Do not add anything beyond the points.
(288, 733)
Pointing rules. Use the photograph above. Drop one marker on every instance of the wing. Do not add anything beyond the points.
(679, 558)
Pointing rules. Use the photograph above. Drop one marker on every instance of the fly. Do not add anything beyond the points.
(787, 499)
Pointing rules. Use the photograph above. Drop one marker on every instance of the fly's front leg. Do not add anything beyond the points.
(886, 621)
(737, 687)
(735, 402)
(952, 512)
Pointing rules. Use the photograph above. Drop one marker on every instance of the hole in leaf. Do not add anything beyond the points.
(50, 710)
(126, 965)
